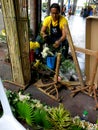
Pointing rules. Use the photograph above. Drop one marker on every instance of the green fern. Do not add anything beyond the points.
(25, 112)
(41, 118)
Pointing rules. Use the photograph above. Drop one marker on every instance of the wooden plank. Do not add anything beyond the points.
(92, 44)
(87, 51)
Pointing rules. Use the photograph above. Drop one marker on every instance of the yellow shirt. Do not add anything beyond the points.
(62, 22)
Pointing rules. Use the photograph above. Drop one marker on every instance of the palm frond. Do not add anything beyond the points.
(25, 112)
(41, 118)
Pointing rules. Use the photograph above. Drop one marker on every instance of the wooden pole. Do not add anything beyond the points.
(34, 17)
(21, 10)
(75, 57)
(57, 67)
(12, 40)
(17, 39)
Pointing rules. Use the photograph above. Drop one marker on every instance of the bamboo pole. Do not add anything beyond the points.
(75, 57)
(57, 67)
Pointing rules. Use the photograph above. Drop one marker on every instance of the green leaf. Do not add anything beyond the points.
(41, 118)
(25, 112)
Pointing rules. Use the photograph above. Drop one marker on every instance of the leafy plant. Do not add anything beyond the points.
(25, 112)
(33, 115)
(76, 127)
(13, 99)
(68, 70)
(67, 66)
(41, 118)
(60, 118)
(3, 36)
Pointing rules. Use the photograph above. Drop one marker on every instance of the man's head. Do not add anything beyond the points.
(55, 11)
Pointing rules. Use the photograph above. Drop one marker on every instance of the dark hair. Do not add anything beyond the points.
(55, 5)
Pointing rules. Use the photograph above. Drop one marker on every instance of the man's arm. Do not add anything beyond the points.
(43, 31)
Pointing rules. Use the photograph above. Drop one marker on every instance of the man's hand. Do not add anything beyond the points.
(44, 35)
(56, 44)
(47, 39)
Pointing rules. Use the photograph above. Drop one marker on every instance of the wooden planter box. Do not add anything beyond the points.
(92, 44)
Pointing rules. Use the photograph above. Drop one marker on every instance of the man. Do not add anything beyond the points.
(54, 30)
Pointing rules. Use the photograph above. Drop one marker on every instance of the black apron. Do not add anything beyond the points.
(55, 32)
